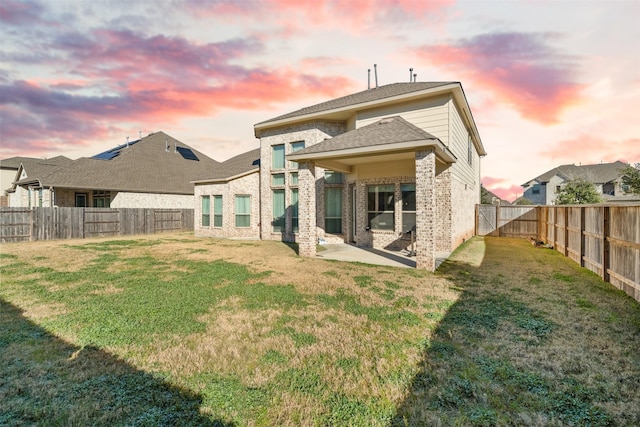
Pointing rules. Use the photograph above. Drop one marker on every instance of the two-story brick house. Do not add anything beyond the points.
(378, 168)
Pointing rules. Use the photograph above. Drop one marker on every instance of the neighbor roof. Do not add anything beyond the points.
(156, 163)
(234, 167)
(36, 168)
(598, 173)
(15, 162)
(369, 95)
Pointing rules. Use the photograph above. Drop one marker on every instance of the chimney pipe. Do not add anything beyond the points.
(415, 76)
(369, 78)
(375, 72)
(410, 73)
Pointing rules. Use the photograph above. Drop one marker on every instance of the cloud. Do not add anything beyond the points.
(521, 70)
(15, 13)
(588, 149)
(504, 191)
(297, 16)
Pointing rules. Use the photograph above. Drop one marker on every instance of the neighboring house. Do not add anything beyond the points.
(21, 168)
(371, 168)
(153, 172)
(607, 178)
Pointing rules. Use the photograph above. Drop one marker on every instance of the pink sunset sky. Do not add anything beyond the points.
(548, 82)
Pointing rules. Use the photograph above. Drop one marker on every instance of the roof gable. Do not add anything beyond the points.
(345, 108)
(369, 95)
(235, 167)
(392, 130)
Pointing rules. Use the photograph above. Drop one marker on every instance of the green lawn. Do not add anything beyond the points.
(173, 330)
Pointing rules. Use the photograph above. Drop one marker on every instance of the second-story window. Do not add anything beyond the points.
(277, 156)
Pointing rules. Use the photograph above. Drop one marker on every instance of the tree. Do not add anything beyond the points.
(631, 177)
(577, 192)
(523, 201)
(486, 197)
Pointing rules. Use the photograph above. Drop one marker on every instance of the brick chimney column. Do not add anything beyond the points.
(307, 235)
(425, 209)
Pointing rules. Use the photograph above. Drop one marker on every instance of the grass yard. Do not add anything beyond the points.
(174, 330)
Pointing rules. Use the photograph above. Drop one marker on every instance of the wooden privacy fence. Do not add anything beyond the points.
(602, 238)
(24, 224)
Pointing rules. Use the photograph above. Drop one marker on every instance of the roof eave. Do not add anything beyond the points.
(223, 180)
(354, 107)
(442, 152)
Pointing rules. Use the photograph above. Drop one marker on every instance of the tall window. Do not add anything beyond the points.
(277, 179)
(296, 146)
(243, 211)
(380, 206)
(277, 157)
(294, 209)
(333, 210)
(294, 178)
(408, 207)
(217, 211)
(206, 211)
(278, 210)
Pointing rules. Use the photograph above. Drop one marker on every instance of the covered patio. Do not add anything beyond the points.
(378, 161)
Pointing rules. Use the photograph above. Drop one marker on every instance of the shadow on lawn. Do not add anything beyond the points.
(470, 375)
(47, 381)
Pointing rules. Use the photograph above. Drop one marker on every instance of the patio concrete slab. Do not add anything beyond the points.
(350, 253)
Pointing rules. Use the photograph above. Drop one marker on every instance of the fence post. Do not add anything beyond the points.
(605, 243)
(475, 233)
(566, 231)
(582, 242)
(32, 225)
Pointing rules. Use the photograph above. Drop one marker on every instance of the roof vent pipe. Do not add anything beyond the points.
(127, 142)
(410, 73)
(415, 76)
(369, 78)
(139, 134)
(375, 73)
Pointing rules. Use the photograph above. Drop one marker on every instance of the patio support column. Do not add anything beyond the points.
(425, 209)
(307, 235)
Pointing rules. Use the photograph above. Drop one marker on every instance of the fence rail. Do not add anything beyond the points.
(24, 224)
(602, 238)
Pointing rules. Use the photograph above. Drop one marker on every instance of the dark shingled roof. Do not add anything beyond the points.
(36, 168)
(598, 173)
(145, 166)
(14, 162)
(369, 95)
(238, 165)
(390, 130)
